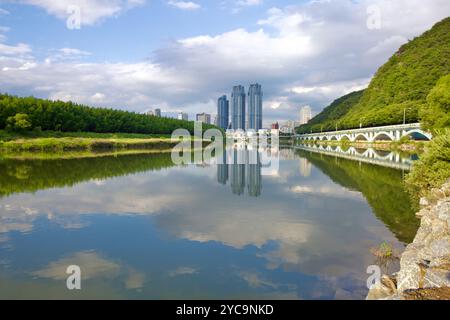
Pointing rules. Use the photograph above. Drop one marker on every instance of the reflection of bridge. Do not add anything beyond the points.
(381, 158)
(392, 133)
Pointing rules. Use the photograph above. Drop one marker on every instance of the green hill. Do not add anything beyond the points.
(403, 83)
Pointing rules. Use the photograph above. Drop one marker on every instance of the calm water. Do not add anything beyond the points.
(140, 227)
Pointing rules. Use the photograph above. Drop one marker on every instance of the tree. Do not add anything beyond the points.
(436, 113)
(19, 122)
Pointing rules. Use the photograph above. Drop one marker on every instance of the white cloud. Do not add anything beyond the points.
(92, 11)
(184, 5)
(72, 52)
(3, 12)
(249, 2)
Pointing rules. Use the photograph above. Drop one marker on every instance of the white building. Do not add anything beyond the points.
(305, 115)
(183, 116)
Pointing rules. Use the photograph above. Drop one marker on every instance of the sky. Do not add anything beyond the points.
(182, 55)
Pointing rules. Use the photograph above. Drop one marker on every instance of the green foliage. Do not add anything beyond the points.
(70, 117)
(18, 123)
(436, 115)
(433, 168)
(6, 135)
(403, 83)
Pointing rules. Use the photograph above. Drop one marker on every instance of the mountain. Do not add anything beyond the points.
(402, 84)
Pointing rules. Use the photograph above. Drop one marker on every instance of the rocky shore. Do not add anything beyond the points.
(425, 264)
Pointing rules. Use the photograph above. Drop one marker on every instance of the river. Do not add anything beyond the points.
(140, 227)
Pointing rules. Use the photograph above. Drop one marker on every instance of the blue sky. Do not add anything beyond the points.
(182, 55)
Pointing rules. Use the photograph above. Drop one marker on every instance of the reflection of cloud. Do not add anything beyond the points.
(135, 279)
(92, 266)
(254, 280)
(333, 191)
(181, 271)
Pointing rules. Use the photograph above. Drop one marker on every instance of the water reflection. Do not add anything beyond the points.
(378, 157)
(144, 228)
(242, 166)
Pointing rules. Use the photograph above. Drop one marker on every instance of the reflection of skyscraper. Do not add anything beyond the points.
(222, 169)
(243, 166)
(238, 108)
(237, 171)
(254, 184)
(223, 112)
(254, 114)
(305, 167)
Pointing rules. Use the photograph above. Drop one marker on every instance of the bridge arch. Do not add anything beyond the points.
(361, 137)
(417, 133)
(380, 136)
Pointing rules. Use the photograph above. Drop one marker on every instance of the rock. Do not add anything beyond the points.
(428, 294)
(424, 202)
(440, 248)
(437, 193)
(384, 290)
(436, 278)
(410, 274)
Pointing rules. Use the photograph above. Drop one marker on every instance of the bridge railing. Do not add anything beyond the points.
(365, 130)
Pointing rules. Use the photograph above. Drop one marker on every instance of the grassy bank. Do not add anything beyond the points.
(51, 141)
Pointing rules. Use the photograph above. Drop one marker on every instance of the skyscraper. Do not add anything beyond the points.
(158, 112)
(223, 112)
(238, 108)
(254, 114)
(305, 114)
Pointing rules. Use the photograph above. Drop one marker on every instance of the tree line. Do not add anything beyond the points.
(17, 113)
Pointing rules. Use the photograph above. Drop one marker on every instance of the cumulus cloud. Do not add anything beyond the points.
(184, 5)
(307, 54)
(92, 11)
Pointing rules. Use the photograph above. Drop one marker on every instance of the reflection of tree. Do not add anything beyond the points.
(33, 175)
(382, 187)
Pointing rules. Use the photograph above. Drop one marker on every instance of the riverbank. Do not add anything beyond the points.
(425, 264)
(62, 142)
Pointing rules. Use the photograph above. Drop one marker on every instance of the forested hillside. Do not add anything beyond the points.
(37, 114)
(401, 85)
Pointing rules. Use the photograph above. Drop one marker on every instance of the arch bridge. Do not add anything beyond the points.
(385, 133)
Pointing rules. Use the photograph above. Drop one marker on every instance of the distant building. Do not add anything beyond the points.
(183, 116)
(287, 130)
(158, 113)
(150, 113)
(254, 113)
(305, 115)
(275, 126)
(223, 112)
(204, 118)
(238, 108)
